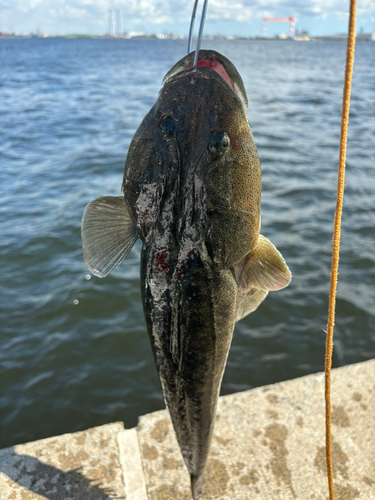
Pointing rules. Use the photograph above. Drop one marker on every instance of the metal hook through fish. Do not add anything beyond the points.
(200, 34)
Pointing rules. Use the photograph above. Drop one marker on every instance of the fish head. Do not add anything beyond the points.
(218, 63)
(194, 150)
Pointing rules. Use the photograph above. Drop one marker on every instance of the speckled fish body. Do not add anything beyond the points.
(191, 189)
(194, 232)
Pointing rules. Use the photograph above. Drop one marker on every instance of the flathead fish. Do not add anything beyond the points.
(191, 193)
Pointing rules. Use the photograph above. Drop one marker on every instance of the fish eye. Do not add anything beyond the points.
(219, 143)
(168, 127)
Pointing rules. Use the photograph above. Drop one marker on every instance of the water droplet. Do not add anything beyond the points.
(88, 277)
(75, 302)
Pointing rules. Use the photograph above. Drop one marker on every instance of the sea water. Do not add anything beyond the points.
(74, 350)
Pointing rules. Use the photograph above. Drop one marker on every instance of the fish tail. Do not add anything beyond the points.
(196, 485)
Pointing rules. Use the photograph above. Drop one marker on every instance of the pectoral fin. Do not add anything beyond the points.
(108, 234)
(262, 270)
(248, 300)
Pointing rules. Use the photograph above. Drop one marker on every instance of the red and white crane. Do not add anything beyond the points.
(290, 20)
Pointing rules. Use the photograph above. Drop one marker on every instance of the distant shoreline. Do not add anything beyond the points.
(340, 37)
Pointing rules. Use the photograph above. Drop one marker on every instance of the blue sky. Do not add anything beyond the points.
(239, 17)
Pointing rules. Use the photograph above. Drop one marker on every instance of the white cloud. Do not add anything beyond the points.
(86, 15)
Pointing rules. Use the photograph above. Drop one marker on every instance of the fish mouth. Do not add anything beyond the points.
(218, 63)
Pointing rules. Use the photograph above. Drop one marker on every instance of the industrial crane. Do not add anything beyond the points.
(290, 20)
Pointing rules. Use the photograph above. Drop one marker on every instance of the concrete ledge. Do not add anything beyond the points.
(268, 444)
(83, 465)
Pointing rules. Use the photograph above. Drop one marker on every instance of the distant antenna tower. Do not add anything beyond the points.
(119, 22)
(110, 22)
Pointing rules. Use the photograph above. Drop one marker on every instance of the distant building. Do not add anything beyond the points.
(329, 38)
(300, 32)
(110, 22)
(119, 22)
(360, 37)
(365, 37)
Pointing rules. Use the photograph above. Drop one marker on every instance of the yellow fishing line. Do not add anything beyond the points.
(336, 236)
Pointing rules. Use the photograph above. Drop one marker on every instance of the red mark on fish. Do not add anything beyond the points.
(161, 261)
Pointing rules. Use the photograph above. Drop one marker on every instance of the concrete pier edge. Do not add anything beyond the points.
(131, 463)
(269, 444)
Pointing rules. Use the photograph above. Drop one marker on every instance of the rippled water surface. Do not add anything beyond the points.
(68, 111)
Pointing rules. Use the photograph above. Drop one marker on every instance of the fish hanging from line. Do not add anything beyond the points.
(191, 188)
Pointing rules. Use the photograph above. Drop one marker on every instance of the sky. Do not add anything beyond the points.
(228, 17)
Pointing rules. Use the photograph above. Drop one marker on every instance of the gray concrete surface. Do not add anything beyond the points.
(269, 444)
(83, 465)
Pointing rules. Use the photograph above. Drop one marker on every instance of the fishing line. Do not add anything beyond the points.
(192, 25)
(336, 236)
(200, 34)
